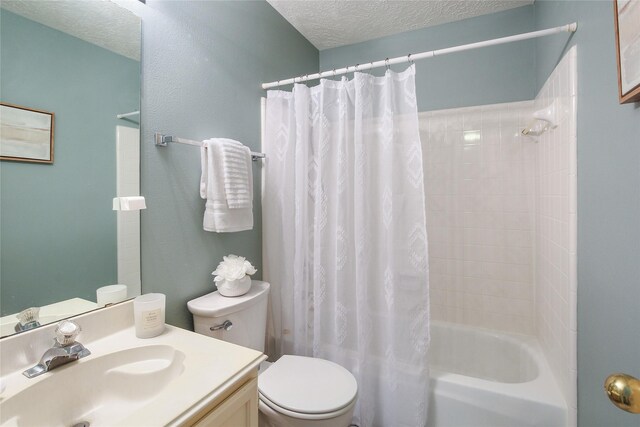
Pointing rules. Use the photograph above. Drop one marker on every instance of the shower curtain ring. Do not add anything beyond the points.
(386, 63)
(357, 65)
(410, 60)
(334, 74)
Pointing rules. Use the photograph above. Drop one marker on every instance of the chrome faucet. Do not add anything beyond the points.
(65, 349)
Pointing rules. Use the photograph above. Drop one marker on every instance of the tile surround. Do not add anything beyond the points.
(556, 219)
(502, 220)
(480, 190)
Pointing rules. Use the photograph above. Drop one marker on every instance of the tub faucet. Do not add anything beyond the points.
(65, 349)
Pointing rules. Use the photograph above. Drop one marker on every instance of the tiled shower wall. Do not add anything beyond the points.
(556, 219)
(480, 191)
(501, 220)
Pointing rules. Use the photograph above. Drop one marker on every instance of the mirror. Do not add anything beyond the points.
(77, 62)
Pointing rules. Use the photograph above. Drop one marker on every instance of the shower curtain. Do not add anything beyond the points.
(345, 243)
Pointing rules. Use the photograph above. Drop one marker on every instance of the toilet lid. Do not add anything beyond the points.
(308, 385)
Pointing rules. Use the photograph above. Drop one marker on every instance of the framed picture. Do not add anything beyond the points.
(26, 135)
(627, 26)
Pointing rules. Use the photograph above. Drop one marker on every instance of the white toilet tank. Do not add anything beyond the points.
(247, 314)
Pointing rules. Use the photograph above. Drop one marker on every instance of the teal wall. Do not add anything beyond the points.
(58, 232)
(202, 66)
(485, 76)
(608, 205)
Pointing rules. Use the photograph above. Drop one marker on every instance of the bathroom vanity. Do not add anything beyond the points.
(176, 379)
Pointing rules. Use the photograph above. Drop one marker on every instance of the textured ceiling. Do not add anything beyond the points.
(333, 23)
(100, 22)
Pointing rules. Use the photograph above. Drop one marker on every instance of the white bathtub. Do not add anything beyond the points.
(484, 378)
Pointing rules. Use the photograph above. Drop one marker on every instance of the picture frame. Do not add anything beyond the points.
(627, 35)
(26, 134)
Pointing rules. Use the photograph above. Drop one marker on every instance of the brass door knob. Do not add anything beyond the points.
(624, 392)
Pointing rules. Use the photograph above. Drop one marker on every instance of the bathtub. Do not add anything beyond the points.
(484, 378)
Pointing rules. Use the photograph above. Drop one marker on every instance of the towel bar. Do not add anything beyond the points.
(162, 140)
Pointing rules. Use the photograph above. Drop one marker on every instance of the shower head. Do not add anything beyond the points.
(543, 120)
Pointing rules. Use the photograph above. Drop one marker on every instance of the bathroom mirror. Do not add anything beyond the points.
(59, 237)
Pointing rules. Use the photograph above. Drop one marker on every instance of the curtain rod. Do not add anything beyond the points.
(569, 28)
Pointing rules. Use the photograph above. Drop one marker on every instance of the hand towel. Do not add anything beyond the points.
(236, 165)
(218, 216)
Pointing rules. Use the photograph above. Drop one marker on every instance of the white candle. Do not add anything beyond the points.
(148, 313)
(111, 294)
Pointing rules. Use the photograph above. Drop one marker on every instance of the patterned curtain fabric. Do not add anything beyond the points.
(345, 243)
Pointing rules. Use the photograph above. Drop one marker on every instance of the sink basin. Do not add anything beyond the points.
(96, 390)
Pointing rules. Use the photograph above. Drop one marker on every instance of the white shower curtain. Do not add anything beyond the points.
(345, 243)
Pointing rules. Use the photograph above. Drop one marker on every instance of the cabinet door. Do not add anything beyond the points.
(238, 410)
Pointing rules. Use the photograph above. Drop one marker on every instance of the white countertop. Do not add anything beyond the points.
(210, 366)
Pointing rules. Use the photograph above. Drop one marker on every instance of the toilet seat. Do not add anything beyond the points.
(307, 388)
(301, 415)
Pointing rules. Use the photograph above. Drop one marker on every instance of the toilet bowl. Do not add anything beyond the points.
(295, 391)
(299, 391)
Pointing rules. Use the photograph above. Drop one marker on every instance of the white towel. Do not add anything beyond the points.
(221, 161)
(236, 165)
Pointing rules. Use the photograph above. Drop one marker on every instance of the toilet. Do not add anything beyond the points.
(294, 391)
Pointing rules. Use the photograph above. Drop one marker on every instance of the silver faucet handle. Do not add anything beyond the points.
(66, 332)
